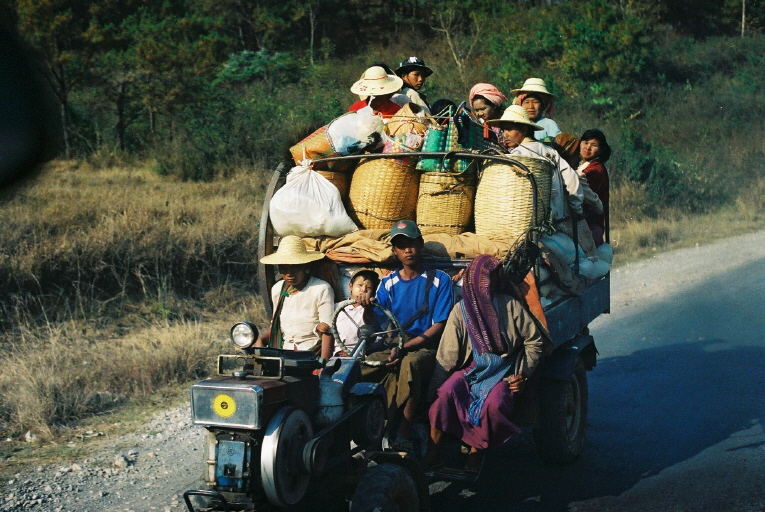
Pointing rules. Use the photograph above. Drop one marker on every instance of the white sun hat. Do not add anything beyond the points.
(533, 85)
(376, 82)
(291, 251)
(514, 114)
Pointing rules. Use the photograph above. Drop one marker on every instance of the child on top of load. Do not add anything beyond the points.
(363, 283)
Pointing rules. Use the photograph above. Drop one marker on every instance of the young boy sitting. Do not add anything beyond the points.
(363, 283)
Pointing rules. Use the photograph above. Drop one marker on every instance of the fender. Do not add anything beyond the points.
(561, 363)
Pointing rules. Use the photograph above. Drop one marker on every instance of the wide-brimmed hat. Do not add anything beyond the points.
(413, 64)
(533, 85)
(376, 82)
(291, 251)
(514, 114)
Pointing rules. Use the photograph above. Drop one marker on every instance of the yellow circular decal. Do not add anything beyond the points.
(224, 405)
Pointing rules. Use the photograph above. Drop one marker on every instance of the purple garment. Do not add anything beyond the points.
(449, 413)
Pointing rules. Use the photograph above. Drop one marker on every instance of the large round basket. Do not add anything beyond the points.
(382, 192)
(504, 199)
(445, 202)
(338, 179)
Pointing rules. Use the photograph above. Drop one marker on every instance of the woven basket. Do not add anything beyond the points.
(504, 200)
(445, 202)
(382, 192)
(339, 180)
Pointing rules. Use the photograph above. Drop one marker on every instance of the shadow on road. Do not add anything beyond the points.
(649, 411)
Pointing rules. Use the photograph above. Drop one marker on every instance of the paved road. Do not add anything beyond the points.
(677, 401)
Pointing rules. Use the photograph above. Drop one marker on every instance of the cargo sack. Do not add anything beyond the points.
(309, 205)
(349, 134)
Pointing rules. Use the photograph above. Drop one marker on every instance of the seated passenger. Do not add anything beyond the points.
(363, 284)
(421, 301)
(302, 303)
(490, 347)
(595, 152)
(376, 87)
(517, 130)
(487, 103)
(537, 100)
(414, 72)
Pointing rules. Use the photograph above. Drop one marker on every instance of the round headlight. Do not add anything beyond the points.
(244, 334)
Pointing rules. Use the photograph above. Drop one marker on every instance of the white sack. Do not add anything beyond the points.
(309, 205)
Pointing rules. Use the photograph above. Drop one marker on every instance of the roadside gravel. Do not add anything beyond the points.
(142, 471)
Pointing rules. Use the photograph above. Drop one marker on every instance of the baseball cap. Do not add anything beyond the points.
(405, 227)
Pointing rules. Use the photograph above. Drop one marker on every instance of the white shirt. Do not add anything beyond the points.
(346, 329)
(303, 311)
(563, 176)
(413, 97)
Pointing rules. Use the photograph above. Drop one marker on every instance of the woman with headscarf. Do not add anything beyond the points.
(487, 103)
(537, 100)
(490, 347)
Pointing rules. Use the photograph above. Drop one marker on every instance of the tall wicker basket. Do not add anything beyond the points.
(504, 201)
(382, 192)
(445, 202)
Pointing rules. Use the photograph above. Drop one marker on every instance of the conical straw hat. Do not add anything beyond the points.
(533, 85)
(291, 251)
(376, 82)
(514, 114)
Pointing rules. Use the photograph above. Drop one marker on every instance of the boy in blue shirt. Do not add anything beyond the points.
(421, 301)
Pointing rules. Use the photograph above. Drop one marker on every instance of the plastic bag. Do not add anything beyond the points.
(356, 132)
(309, 205)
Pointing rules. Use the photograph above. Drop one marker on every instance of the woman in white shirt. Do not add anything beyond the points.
(303, 304)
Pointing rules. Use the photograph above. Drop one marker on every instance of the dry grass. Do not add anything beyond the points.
(116, 282)
(639, 230)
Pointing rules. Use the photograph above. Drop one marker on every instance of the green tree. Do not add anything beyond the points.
(57, 30)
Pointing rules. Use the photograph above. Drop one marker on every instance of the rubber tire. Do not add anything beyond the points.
(559, 438)
(386, 488)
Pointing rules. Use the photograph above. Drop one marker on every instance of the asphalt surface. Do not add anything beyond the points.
(677, 400)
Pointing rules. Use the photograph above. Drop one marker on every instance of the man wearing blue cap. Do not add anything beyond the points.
(421, 300)
(414, 72)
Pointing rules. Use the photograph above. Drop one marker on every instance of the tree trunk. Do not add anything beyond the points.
(743, 16)
(312, 23)
(65, 127)
(121, 125)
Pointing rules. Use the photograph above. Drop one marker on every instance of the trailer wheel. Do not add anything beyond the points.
(386, 488)
(560, 430)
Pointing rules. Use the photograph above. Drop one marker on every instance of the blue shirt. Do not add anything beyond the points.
(550, 128)
(404, 298)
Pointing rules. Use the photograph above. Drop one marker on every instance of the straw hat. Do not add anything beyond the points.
(376, 82)
(291, 251)
(514, 114)
(533, 85)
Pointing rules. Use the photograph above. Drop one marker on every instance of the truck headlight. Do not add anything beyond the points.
(244, 334)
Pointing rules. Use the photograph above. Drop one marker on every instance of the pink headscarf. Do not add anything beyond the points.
(489, 92)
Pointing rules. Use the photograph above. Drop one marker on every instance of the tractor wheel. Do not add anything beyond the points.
(560, 430)
(386, 488)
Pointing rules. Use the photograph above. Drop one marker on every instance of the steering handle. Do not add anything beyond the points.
(396, 327)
